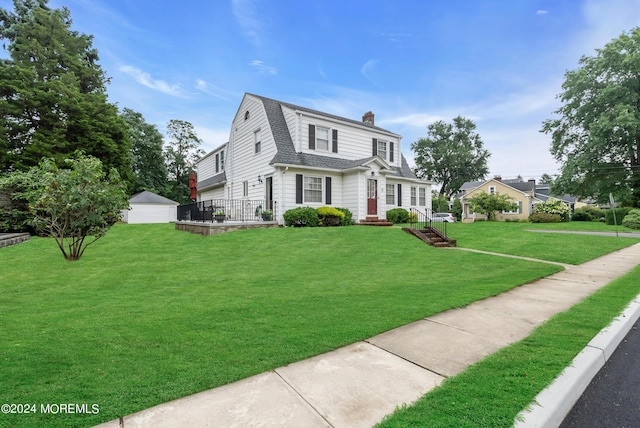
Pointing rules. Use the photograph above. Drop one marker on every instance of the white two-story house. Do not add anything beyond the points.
(290, 156)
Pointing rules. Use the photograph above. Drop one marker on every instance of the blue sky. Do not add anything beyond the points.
(500, 63)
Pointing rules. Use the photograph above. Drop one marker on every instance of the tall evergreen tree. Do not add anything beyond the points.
(53, 98)
(147, 159)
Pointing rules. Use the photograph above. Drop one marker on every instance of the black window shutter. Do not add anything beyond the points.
(328, 191)
(399, 195)
(375, 147)
(298, 188)
(390, 151)
(334, 148)
(312, 137)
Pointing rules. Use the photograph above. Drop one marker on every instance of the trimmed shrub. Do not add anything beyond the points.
(398, 215)
(632, 220)
(413, 217)
(545, 218)
(581, 215)
(587, 214)
(302, 216)
(348, 217)
(621, 213)
(330, 216)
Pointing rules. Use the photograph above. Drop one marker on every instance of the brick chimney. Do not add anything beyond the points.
(368, 118)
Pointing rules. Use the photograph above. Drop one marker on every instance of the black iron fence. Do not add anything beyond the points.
(234, 210)
(422, 220)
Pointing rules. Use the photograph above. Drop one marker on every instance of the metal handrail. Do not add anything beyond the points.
(424, 220)
(234, 210)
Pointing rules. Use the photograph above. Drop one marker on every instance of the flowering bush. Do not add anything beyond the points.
(554, 206)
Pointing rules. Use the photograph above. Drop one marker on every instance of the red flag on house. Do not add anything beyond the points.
(193, 186)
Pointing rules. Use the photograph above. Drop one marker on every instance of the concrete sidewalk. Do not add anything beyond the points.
(356, 386)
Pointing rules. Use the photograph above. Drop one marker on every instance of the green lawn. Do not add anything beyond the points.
(512, 238)
(150, 314)
(493, 391)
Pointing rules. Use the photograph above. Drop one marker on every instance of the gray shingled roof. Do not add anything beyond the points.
(147, 197)
(287, 154)
(320, 113)
(212, 181)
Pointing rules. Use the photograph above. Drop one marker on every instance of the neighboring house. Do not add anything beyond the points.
(148, 207)
(524, 193)
(288, 156)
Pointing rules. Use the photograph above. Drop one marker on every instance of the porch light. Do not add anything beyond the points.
(373, 173)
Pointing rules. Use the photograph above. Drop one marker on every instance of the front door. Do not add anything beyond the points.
(269, 192)
(372, 197)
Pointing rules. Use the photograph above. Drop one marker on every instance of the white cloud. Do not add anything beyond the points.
(247, 18)
(211, 137)
(208, 88)
(263, 68)
(415, 119)
(606, 20)
(367, 69)
(542, 12)
(145, 79)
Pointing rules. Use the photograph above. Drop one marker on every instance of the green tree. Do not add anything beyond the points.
(147, 159)
(451, 154)
(546, 179)
(52, 93)
(439, 203)
(71, 204)
(490, 205)
(597, 134)
(457, 209)
(181, 154)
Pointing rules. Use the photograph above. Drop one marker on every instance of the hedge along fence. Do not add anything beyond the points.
(323, 216)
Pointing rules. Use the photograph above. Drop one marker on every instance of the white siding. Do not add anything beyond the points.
(218, 193)
(354, 142)
(206, 167)
(150, 213)
(246, 164)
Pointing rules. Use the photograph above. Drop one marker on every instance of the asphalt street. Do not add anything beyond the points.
(612, 399)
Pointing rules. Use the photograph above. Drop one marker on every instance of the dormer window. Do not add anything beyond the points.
(382, 149)
(322, 138)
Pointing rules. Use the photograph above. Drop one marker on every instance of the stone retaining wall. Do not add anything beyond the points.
(208, 229)
(7, 239)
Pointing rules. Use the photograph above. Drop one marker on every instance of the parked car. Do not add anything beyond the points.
(443, 217)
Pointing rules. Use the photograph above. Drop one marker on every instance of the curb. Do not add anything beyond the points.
(554, 403)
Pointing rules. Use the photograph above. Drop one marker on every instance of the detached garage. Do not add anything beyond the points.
(148, 207)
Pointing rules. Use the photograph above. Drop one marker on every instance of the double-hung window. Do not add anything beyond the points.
(257, 140)
(422, 196)
(322, 138)
(413, 196)
(391, 194)
(382, 149)
(313, 189)
(222, 160)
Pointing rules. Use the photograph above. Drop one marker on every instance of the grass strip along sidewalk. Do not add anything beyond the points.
(150, 314)
(491, 392)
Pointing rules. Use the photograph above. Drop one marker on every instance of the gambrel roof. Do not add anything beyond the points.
(287, 155)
